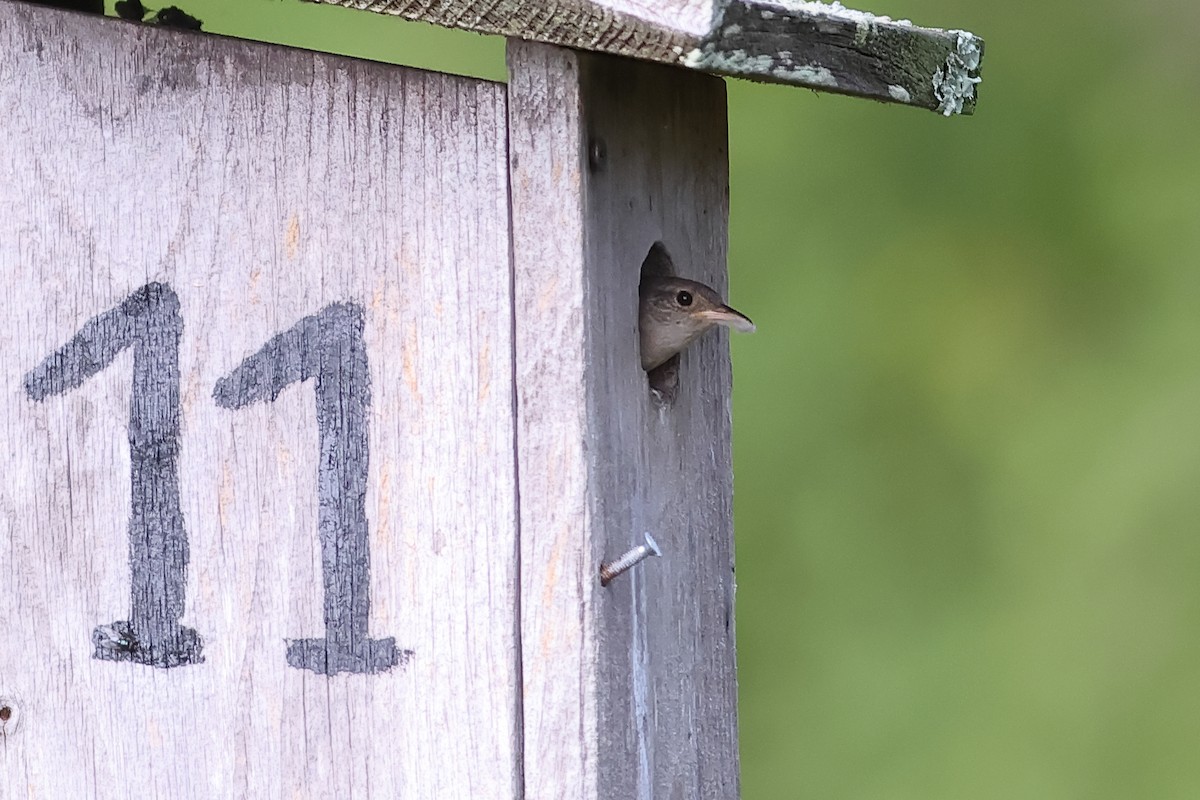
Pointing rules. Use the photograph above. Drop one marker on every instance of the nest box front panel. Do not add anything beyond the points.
(258, 529)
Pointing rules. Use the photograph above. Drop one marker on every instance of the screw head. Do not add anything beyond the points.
(629, 560)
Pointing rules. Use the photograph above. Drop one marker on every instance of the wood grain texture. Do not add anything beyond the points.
(817, 45)
(262, 185)
(630, 690)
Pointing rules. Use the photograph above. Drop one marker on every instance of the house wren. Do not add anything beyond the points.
(674, 311)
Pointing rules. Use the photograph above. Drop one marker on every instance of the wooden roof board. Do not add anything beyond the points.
(821, 46)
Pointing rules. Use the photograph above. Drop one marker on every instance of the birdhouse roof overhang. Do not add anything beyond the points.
(821, 46)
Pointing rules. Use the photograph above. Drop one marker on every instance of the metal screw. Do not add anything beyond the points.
(628, 561)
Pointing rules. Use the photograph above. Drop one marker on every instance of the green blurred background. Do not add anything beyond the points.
(968, 430)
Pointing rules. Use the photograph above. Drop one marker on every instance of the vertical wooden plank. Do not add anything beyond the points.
(326, 241)
(557, 543)
(630, 690)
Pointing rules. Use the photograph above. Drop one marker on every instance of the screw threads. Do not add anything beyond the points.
(629, 560)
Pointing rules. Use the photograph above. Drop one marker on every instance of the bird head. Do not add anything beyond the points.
(674, 311)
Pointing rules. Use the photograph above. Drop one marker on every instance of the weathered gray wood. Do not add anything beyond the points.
(630, 690)
(262, 184)
(822, 46)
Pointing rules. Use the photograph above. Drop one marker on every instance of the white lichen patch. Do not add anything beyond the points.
(865, 23)
(739, 62)
(953, 83)
(786, 68)
(898, 92)
(736, 62)
(861, 19)
(693, 59)
(807, 74)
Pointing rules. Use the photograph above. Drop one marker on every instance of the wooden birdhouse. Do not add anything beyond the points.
(323, 405)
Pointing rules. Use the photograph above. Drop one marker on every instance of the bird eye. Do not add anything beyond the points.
(684, 298)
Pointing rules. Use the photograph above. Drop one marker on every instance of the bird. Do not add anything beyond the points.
(673, 311)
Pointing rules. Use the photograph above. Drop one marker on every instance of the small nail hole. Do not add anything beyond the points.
(10, 716)
(597, 154)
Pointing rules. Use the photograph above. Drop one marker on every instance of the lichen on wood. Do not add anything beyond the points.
(822, 46)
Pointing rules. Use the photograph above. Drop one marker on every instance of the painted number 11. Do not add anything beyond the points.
(326, 347)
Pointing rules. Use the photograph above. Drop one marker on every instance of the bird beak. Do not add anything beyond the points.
(730, 318)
